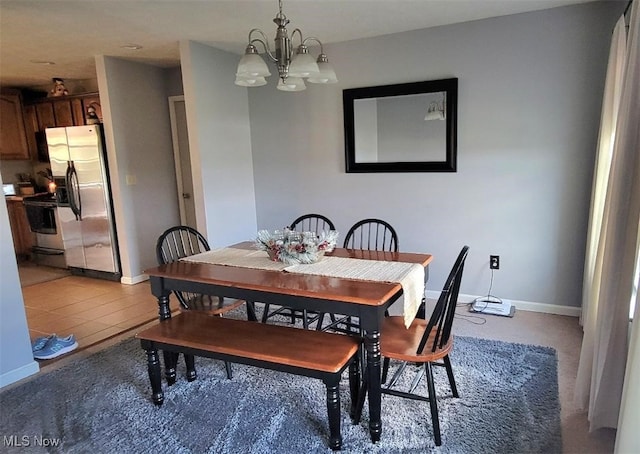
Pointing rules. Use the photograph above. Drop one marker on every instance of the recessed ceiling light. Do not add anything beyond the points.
(132, 46)
(42, 62)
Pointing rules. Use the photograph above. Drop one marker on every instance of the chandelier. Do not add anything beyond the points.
(292, 68)
(436, 110)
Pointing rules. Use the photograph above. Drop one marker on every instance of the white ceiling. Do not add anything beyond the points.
(71, 32)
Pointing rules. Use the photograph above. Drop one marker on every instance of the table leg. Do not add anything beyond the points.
(372, 346)
(163, 307)
(170, 359)
(190, 363)
(170, 364)
(354, 384)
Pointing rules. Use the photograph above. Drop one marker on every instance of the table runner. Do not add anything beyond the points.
(409, 275)
(244, 258)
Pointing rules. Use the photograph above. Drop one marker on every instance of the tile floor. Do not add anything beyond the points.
(92, 309)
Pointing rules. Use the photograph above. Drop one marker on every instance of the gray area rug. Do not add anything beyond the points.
(508, 404)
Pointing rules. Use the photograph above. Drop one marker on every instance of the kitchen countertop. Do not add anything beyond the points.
(20, 198)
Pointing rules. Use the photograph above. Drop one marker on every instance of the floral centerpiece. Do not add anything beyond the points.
(291, 247)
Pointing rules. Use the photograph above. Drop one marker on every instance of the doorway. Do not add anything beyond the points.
(182, 160)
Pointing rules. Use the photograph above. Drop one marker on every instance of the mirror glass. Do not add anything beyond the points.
(401, 128)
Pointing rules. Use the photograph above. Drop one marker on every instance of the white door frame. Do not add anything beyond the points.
(176, 157)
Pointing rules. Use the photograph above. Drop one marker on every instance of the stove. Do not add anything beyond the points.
(42, 213)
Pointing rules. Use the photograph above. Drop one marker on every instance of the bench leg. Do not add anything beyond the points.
(170, 361)
(333, 411)
(155, 377)
(190, 363)
(354, 383)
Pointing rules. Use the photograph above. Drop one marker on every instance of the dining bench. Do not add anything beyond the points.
(296, 351)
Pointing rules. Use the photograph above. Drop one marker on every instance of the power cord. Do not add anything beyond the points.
(474, 319)
(474, 307)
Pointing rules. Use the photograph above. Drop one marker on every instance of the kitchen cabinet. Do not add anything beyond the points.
(78, 111)
(63, 113)
(23, 239)
(71, 110)
(31, 127)
(46, 116)
(13, 139)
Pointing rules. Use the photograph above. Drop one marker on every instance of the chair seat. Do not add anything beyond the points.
(212, 305)
(398, 342)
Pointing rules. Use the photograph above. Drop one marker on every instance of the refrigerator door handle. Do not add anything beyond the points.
(73, 191)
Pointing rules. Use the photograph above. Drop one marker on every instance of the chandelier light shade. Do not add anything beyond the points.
(436, 110)
(326, 75)
(291, 84)
(252, 65)
(293, 67)
(254, 82)
(303, 64)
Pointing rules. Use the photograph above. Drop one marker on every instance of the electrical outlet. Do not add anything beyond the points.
(494, 262)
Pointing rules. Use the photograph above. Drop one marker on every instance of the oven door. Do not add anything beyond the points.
(42, 217)
(45, 222)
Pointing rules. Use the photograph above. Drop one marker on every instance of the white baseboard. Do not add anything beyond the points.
(521, 305)
(134, 280)
(18, 374)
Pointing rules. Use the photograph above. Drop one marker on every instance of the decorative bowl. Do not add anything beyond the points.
(293, 248)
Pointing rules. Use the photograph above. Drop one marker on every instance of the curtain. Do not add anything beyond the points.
(627, 439)
(613, 236)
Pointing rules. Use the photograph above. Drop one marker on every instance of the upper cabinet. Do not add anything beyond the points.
(71, 110)
(22, 124)
(13, 139)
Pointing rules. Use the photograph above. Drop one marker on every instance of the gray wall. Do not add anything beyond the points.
(16, 357)
(138, 134)
(530, 89)
(218, 118)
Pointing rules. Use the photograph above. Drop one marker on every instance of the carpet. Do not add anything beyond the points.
(101, 404)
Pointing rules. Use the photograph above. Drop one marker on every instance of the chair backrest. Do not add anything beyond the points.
(176, 243)
(442, 316)
(179, 242)
(372, 235)
(312, 223)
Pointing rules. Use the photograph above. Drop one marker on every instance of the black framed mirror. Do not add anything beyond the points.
(408, 127)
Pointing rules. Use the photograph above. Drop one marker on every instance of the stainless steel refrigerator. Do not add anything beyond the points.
(79, 167)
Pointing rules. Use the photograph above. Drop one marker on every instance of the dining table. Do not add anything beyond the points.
(366, 299)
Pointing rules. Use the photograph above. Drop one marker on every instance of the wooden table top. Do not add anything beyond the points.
(303, 285)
